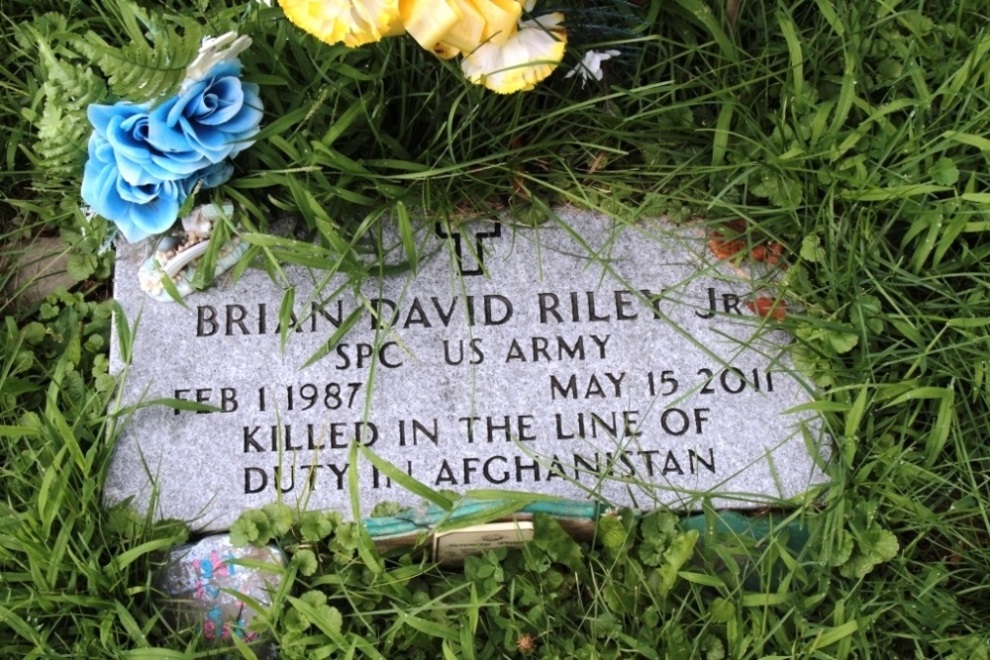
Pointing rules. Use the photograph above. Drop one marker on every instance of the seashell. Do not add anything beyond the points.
(184, 258)
(175, 255)
(200, 221)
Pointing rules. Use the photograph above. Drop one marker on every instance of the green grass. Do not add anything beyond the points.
(853, 133)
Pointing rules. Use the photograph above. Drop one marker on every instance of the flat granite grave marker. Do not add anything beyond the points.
(581, 359)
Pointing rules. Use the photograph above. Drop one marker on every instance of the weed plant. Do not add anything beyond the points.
(854, 133)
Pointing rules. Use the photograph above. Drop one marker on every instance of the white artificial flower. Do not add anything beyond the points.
(591, 66)
(213, 51)
(524, 59)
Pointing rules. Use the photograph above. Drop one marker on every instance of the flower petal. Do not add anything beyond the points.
(353, 22)
(526, 58)
(427, 21)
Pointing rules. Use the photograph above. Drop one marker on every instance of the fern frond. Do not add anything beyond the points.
(154, 61)
(62, 127)
(62, 139)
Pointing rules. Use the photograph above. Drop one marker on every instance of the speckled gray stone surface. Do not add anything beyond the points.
(593, 361)
(203, 585)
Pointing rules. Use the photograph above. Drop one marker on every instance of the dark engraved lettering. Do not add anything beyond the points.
(575, 314)
(594, 388)
(548, 305)
(418, 431)
(540, 348)
(294, 324)
(477, 356)
(383, 355)
(255, 480)
(339, 472)
(594, 425)
(228, 399)
(493, 427)
(279, 481)
(376, 479)
(648, 455)
(287, 437)
(311, 437)
(250, 440)
(206, 323)
(515, 352)
(445, 316)
(695, 459)
(416, 315)
(380, 317)
(592, 314)
(445, 475)
(361, 355)
(486, 471)
(533, 468)
(675, 421)
(671, 465)
(622, 301)
(478, 253)
(730, 303)
(320, 309)
(568, 392)
(469, 426)
(490, 311)
(470, 468)
(235, 316)
(179, 395)
(601, 344)
(583, 464)
(571, 351)
(311, 475)
(712, 305)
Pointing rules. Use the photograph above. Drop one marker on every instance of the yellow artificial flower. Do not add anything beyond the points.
(353, 22)
(444, 51)
(460, 24)
(528, 56)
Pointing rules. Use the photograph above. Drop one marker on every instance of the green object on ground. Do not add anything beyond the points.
(726, 528)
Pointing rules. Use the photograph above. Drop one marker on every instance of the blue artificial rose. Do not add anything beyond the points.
(125, 127)
(139, 210)
(208, 121)
(216, 175)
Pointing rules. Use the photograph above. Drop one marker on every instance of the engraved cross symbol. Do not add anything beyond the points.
(477, 254)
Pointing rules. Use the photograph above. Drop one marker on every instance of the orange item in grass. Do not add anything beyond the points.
(765, 306)
(724, 248)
